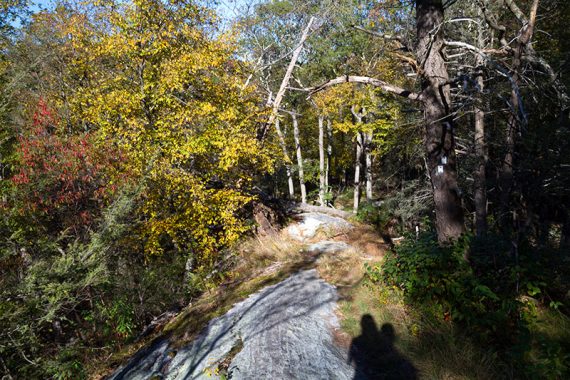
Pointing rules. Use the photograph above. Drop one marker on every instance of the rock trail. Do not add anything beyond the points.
(285, 331)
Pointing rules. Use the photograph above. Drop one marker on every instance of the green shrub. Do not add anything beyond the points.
(444, 283)
(482, 288)
(67, 366)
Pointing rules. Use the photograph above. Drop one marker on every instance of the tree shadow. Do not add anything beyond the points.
(374, 355)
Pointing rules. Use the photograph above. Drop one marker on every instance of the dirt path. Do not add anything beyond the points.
(285, 331)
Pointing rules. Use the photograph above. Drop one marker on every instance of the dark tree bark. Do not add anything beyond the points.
(565, 233)
(480, 186)
(517, 116)
(439, 135)
(480, 173)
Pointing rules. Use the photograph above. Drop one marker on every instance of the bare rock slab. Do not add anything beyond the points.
(327, 246)
(311, 222)
(285, 332)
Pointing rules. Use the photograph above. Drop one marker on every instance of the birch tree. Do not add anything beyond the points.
(299, 153)
(358, 116)
(322, 173)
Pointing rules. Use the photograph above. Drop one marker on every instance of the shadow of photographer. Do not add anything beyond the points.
(374, 355)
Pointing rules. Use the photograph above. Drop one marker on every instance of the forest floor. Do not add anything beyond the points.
(298, 306)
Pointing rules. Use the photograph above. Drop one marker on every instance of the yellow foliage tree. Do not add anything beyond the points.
(381, 109)
(165, 88)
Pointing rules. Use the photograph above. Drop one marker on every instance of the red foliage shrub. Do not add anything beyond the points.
(65, 178)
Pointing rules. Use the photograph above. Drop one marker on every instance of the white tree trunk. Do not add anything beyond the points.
(287, 158)
(322, 182)
(358, 159)
(357, 166)
(368, 149)
(329, 154)
(299, 158)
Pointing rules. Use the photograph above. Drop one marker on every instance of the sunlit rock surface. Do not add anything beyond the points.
(286, 330)
(327, 246)
(311, 222)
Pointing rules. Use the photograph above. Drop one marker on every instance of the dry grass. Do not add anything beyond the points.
(552, 324)
(343, 269)
(367, 240)
(364, 300)
(435, 349)
(263, 261)
(261, 252)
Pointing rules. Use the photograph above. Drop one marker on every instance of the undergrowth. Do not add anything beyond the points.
(473, 296)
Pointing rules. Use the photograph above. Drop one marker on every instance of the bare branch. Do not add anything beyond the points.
(367, 80)
(516, 11)
(531, 57)
(483, 52)
(493, 24)
(388, 37)
(409, 60)
(286, 78)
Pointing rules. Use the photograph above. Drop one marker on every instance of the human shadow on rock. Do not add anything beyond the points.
(374, 355)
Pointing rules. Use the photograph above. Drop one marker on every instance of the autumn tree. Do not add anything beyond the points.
(170, 96)
(136, 154)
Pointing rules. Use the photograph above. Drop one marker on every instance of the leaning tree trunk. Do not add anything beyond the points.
(322, 181)
(368, 160)
(285, 81)
(299, 158)
(439, 140)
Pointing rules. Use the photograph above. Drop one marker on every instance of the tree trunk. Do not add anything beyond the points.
(506, 179)
(439, 140)
(357, 167)
(506, 176)
(322, 182)
(329, 153)
(287, 158)
(286, 78)
(480, 174)
(299, 158)
(368, 159)
(358, 160)
(480, 192)
(565, 233)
